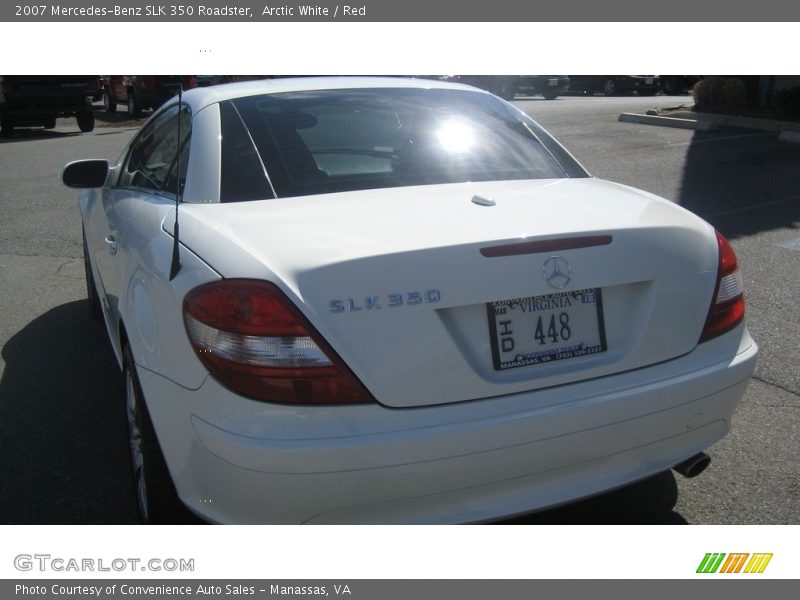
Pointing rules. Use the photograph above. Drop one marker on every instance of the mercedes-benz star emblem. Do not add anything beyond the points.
(557, 272)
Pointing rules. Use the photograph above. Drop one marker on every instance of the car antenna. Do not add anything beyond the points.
(175, 267)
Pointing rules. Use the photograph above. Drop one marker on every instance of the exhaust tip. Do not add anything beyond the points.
(692, 467)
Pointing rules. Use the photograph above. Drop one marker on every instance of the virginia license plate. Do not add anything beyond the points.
(543, 329)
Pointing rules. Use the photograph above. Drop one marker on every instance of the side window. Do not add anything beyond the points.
(152, 161)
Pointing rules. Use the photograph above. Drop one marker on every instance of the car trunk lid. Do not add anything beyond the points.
(408, 285)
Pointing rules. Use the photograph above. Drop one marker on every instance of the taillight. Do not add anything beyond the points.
(727, 305)
(253, 340)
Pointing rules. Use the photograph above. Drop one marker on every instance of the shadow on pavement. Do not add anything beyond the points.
(119, 118)
(647, 502)
(63, 439)
(742, 181)
(29, 134)
(534, 98)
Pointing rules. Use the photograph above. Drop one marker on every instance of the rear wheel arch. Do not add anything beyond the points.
(156, 496)
(118, 341)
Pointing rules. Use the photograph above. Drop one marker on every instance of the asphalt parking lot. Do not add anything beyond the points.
(63, 447)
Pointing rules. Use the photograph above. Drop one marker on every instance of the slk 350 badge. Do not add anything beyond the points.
(389, 301)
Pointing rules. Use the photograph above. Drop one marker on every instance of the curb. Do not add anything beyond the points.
(667, 121)
(790, 136)
(709, 121)
(749, 122)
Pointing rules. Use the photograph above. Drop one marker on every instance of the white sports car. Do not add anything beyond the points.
(393, 300)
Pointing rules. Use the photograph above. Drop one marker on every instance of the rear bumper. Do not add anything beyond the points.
(36, 107)
(238, 461)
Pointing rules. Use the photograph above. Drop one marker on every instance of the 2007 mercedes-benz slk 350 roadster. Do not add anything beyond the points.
(394, 300)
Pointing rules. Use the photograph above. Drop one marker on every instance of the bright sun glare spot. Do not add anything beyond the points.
(456, 136)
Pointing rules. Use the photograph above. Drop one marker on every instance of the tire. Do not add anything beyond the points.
(95, 310)
(49, 123)
(506, 88)
(134, 108)
(156, 497)
(671, 85)
(85, 118)
(610, 87)
(108, 101)
(550, 96)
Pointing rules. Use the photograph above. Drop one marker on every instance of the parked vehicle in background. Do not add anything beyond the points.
(678, 84)
(614, 85)
(549, 86)
(142, 92)
(207, 80)
(504, 86)
(38, 100)
(507, 86)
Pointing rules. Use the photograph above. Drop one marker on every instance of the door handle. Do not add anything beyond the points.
(112, 244)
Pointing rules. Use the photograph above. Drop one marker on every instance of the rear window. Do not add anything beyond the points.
(325, 141)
